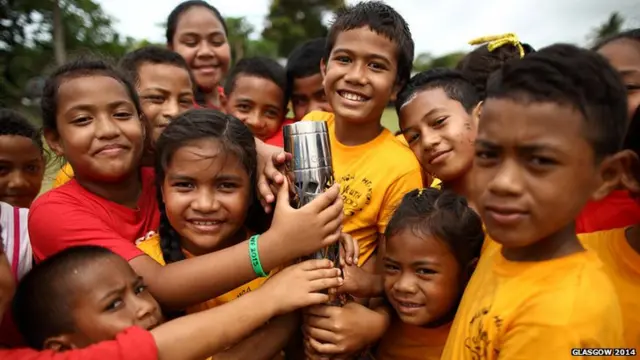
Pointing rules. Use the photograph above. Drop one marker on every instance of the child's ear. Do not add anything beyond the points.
(59, 343)
(613, 170)
(223, 102)
(53, 140)
(394, 92)
(631, 172)
(477, 112)
(323, 70)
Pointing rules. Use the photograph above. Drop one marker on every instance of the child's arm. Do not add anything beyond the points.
(199, 335)
(264, 343)
(188, 282)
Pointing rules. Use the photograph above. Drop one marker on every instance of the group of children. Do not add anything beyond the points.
(500, 222)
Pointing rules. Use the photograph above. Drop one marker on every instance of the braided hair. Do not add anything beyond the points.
(234, 138)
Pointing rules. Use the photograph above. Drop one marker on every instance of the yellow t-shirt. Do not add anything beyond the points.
(535, 310)
(402, 140)
(65, 174)
(373, 179)
(409, 342)
(151, 247)
(622, 264)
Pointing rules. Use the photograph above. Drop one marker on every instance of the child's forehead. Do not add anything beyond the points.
(156, 69)
(365, 40)
(249, 83)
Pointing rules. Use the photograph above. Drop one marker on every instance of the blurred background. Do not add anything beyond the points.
(37, 35)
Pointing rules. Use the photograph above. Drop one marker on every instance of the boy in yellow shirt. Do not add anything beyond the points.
(436, 112)
(368, 58)
(548, 140)
(619, 249)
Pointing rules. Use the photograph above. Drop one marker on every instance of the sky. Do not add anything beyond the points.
(438, 26)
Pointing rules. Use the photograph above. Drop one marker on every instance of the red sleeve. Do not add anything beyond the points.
(57, 223)
(132, 344)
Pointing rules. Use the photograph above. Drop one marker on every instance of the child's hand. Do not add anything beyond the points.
(298, 285)
(271, 160)
(308, 229)
(349, 251)
(333, 330)
(357, 282)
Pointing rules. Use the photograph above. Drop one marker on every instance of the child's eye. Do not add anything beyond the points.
(4, 169)
(122, 115)
(140, 289)
(115, 304)
(243, 107)
(390, 267)
(33, 168)
(156, 99)
(632, 87)
(272, 114)
(377, 66)
(342, 59)
(542, 161)
(186, 102)
(486, 154)
(227, 186)
(425, 272)
(440, 121)
(183, 185)
(81, 120)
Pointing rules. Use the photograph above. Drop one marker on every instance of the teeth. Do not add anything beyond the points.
(409, 305)
(352, 96)
(206, 223)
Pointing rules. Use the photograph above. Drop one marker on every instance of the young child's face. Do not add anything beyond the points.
(308, 95)
(258, 103)
(360, 75)
(206, 192)
(21, 170)
(624, 56)
(7, 283)
(110, 297)
(534, 170)
(440, 132)
(165, 91)
(421, 278)
(99, 130)
(202, 42)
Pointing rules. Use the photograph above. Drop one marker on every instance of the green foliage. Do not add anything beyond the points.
(291, 22)
(425, 61)
(612, 26)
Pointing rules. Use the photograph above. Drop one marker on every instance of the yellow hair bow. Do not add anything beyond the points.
(497, 41)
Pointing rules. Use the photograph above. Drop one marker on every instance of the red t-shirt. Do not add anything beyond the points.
(70, 216)
(132, 344)
(615, 211)
(278, 138)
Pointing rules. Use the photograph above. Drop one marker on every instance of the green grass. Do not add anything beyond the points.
(390, 119)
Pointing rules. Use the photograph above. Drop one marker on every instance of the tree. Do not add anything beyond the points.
(612, 26)
(291, 22)
(30, 38)
(422, 62)
(238, 34)
(449, 60)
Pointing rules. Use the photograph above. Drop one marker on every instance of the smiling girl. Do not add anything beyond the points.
(91, 116)
(198, 32)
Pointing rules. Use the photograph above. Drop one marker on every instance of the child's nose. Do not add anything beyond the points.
(17, 180)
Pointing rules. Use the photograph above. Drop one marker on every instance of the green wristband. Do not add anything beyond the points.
(255, 257)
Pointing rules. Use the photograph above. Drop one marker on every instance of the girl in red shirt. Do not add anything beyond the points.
(91, 117)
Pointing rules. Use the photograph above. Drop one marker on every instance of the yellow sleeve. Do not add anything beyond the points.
(64, 176)
(407, 182)
(400, 137)
(151, 247)
(436, 183)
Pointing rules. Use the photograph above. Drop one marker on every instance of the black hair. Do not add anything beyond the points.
(81, 67)
(443, 214)
(234, 138)
(381, 19)
(13, 123)
(260, 67)
(631, 34)
(480, 63)
(567, 75)
(42, 305)
(304, 60)
(632, 139)
(452, 82)
(131, 62)
(174, 16)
